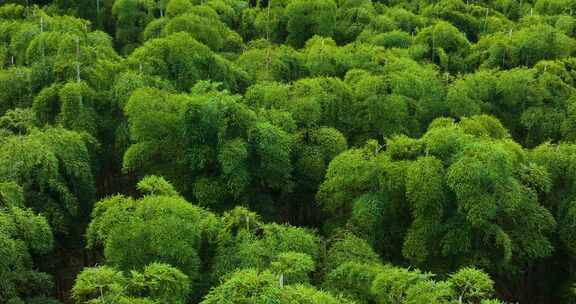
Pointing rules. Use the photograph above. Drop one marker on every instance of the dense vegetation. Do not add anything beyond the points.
(287, 151)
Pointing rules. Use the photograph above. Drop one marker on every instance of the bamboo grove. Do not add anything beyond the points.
(287, 151)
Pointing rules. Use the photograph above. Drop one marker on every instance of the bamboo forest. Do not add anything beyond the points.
(287, 151)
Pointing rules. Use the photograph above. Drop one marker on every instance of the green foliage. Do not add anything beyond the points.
(154, 224)
(23, 234)
(98, 281)
(554, 7)
(72, 106)
(293, 266)
(264, 62)
(352, 18)
(524, 47)
(400, 285)
(393, 285)
(245, 286)
(57, 48)
(476, 173)
(216, 140)
(306, 18)
(156, 185)
(444, 45)
(157, 283)
(349, 175)
(471, 284)
(557, 161)
(14, 88)
(153, 117)
(354, 280)
(534, 105)
(240, 218)
(131, 16)
(183, 60)
(303, 294)
(54, 169)
(325, 58)
(162, 283)
(250, 286)
(19, 121)
(429, 134)
(202, 22)
(350, 248)
(269, 246)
